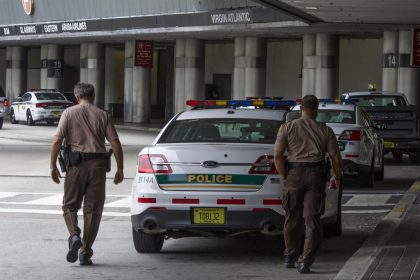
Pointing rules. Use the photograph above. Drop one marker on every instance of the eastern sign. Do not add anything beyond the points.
(416, 48)
(28, 6)
(143, 54)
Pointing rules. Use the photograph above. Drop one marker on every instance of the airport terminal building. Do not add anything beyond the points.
(146, 58)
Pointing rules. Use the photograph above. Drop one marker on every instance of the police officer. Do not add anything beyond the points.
(85, 127)
(306, 142)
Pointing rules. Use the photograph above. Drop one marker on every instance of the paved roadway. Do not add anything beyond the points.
(34, 238)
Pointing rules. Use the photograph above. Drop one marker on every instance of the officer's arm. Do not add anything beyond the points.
(118, 153)
(337, 164)
(279, 159)
(55, 149)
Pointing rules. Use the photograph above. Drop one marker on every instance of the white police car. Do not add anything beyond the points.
(210, 172)
(361, 146)
(39, 105)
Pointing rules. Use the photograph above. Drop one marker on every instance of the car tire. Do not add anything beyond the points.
(380, 174)
(397, 155)
(1, 123)
(29, 119)
(414, 158)
(147, 243)
(335, 229)
(13, 117)
(367, 176)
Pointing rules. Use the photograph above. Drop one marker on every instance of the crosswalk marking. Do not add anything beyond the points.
(369, 200)
(125, 202)
(55, 212)
(49, 200)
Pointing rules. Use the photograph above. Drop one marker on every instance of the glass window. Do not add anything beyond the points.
(378, 100)
(336, 116)
(49, 96)
(222, 131)
(26, 97)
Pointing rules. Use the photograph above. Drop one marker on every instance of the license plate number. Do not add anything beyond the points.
(55, 113)
(209, 216)
(389, 145)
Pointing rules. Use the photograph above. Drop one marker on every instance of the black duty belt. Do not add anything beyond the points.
(87, 156)
(305, 164)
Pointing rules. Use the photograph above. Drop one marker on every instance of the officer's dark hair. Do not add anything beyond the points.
(310, 102)
(84, 90)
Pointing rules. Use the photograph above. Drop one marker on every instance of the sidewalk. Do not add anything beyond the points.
(393, 250)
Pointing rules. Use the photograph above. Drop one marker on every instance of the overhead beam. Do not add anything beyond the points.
(288, 9)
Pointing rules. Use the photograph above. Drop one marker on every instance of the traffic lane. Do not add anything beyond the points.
(37, 244)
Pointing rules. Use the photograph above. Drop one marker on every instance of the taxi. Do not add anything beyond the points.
(39, 105)
(210, 172)
(360, 145)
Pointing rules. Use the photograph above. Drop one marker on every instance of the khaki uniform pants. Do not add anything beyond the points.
(303, 196)
(85, 181)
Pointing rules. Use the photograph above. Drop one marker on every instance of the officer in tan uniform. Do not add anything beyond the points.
(85, 127)
(306, 142)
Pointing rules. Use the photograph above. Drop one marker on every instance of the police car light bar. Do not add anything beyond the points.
(240, 103)
(323, 100)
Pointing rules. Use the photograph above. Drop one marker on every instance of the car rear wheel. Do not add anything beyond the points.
(147, 243)
(12, 117)
(414, 158)
(379, 175)
(367, 176)
(29, 119)
(335, 229)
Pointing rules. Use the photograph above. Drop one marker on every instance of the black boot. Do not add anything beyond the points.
(84, 257)
(74, 245)
(303, 268)
(289, 261)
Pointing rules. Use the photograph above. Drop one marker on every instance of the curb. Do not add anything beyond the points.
(356, 267)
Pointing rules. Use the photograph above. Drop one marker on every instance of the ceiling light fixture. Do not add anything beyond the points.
(311, 8)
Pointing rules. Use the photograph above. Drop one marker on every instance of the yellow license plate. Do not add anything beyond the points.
(55, 113)
(389, 145)
(209, 216)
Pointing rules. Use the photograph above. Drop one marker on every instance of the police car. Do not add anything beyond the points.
(210, 172)
(39, 105)
(361, 146)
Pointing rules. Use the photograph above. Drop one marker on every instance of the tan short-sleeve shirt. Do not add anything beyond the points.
(307, 140)
(85, 128)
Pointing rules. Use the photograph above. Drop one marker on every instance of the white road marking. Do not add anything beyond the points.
(365, 211)
(369, 200)
(57, 212)
(7, 194)
(49, 200)
(123, 203)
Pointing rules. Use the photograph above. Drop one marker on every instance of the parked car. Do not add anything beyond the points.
(210, 172)
(360, 145)
(39, 105)
(395, 119)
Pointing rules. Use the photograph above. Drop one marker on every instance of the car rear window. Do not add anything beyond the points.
(374, 100)
(336, 116)
(49, 96)
(221, 131)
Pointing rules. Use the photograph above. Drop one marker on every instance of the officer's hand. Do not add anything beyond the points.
(55, 175)
(119, 176)
(334, 183)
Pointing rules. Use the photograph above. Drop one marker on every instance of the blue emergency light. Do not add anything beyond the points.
(240, 103)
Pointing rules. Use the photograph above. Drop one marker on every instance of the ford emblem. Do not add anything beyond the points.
(210, 164)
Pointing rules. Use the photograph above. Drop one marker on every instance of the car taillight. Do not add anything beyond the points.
(264, 165)
(5, 103)
(41, 105)
(153, 164)
(353, 135)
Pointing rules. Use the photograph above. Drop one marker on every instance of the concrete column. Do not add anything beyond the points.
(136, 88)
(390, 66)
(52, 65)
(16, 58)
(250, 68)
(309, 64)
(169, 93)
(408, 77)
(92, 69)
(326, 78)
(189, 72)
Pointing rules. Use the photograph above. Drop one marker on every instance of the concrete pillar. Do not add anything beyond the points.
(136, 88)
(169, 92)
(390, 66)
(408, 77)
(92, 69)
(16, 58)
(249, 74)
(326, 76)
(189, 72)
(52, 65)
(309, 63)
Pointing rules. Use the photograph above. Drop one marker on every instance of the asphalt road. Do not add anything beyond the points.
(34, 239)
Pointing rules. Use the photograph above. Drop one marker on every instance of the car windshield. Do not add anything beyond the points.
(221, 131)
(336, 116)
(375, 100)
(49, 96)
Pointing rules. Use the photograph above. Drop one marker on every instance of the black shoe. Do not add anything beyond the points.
(303, 268)
(84, 257)
(74, 245)
(289, 262)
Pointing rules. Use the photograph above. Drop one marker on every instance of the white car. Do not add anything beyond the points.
(210, 172)
(375, 98)
(40, 105)
(361, 146)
